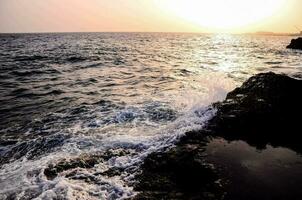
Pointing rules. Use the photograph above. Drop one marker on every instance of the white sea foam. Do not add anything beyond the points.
(133, 92)
(27, 175)
(130, 128)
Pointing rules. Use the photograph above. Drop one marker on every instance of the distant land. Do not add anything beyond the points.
(275, 34)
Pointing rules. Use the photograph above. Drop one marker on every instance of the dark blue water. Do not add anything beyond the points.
(66, 94)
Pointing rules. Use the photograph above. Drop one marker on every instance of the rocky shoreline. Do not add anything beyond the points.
(249, 150)
(259, 120)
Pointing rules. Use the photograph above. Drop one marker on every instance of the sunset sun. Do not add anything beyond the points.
(222, 14)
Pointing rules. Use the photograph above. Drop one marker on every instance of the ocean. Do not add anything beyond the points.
(70, 95)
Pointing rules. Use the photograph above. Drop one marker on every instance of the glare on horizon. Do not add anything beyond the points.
(234, 16)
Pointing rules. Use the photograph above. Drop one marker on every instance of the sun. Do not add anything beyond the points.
(222, 14)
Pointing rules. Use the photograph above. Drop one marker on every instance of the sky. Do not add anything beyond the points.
(236, 16)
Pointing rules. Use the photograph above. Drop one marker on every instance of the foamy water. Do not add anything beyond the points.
(68, 95)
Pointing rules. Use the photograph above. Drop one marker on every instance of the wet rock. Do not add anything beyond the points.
(295, 44)
(85, 161)
(111, 172)
(266, 109)
(180, 173)
(83, 177)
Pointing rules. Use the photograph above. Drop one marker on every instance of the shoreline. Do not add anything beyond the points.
(257, 114)
(84, 123)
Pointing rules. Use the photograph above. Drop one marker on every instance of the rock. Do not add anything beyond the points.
(84, 161)
(266, 109)
(261, 111)
(295, 44)
(178, 174)
(111, 172)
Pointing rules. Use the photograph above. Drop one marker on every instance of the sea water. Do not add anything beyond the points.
(65, 95)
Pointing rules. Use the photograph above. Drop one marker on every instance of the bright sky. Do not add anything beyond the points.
(150, 15)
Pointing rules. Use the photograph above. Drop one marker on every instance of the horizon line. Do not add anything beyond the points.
(181, 32)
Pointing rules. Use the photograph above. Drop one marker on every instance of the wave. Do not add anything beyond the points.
(154, 88)
(25, 73)
(26, 93)
(30, 58)
(109, 178)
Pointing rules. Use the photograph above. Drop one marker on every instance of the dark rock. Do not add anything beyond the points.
(266, 109)
(83, 177)
(295, 44)
(179, 174)
(111, 172)
(85, 161)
